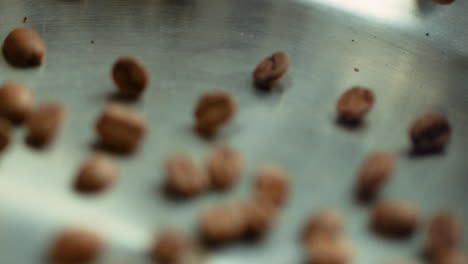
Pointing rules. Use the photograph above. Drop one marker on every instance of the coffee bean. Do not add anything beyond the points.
(259, 217)
(443, 2)
(23, 47)
(326, 224)
(272, 184)
(96, 174)
(43, 124)
(430, 133)
(270, 70)
(374, 173)
(5, 134)
(395, 218)
(222, 223)
(130, 76)
(184, 177)
(169, 247)
(120, 129)
(354, 104)
(224, 166)
(325, 251)
(76, 246)
(213, 110)
(444, 234)
(16, 102)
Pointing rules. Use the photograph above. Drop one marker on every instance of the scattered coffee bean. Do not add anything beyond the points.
(272, 184)
(5, 134)
(444, 234)
(184, 177)
(96, 174)
(23, 47)
(224, 166)
(222, 223)
(326, 224)
(354, 104)
(270, 70)
(259, 217)
(43, 124)
(443, 2)
(324, 251)
(213, 110)
(395, 218)
(374, 173)
(16, 102)
(76, 246)
(130, 76)
(430, 133)
(120, 129)
(169, 247)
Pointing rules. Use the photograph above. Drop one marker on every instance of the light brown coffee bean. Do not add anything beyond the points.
(120, 129)
(259, 217)
(130, 76)
(443, 2)
(76, 246)
(325, 251)
(16, 102)
(213, 110)
(96, 174)
(354, 104)
(224, 166)
(222, 223)
(23, 47)
(444, 234)
(272, 184)
(169, 247)
(395, 218)
(270, 70)
(43, 124)
(374, 172)
(430, 133)
(184, 177)
(5, 134)
(326, 224)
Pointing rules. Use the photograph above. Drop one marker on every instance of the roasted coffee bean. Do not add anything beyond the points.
(96, 174)
(444, 234)
(354, 104)
(120, 129)
(374, 173)
(443, 2)
(259, 217)
(325, 251)
(130, 76)
(430, 133)
(270, 70)
(326, 224)
(43, 124)
(76, 246)
(272, 184)
(395, 218)
(184, 177)
(222, 223)
(16, 102)
(169, 247)
(224, 166)
(5, 134)
(213, 110)
(23, 47)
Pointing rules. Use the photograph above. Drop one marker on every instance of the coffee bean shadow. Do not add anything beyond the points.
(356, 125)
(392, 236)
(34, 144)
(171, 196)
(277, 88)
(425, 7)
(119, 98)
(97, 146)
(417, 154)
(363, 198)
(222, 135)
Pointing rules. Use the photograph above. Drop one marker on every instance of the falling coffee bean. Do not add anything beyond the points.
(326, 224)
(395, 218)
(430, 133)
(23, 47)
(43, 124)
(130, 76)
(120, 129)
(224, 166)
(374, 173)
(270, 70)
(76, 245)
(222, 223)
(259, 217)
(96, 174)
(169, 247)
(16, 102)
(325, 251)
(5, 134)
(272, 184)
(213, 110)
(184, 177)
(354, 104)
(444, 234)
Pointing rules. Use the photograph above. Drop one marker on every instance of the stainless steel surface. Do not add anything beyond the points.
(192, 46)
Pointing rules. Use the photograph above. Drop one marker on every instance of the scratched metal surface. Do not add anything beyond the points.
(413, 54)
